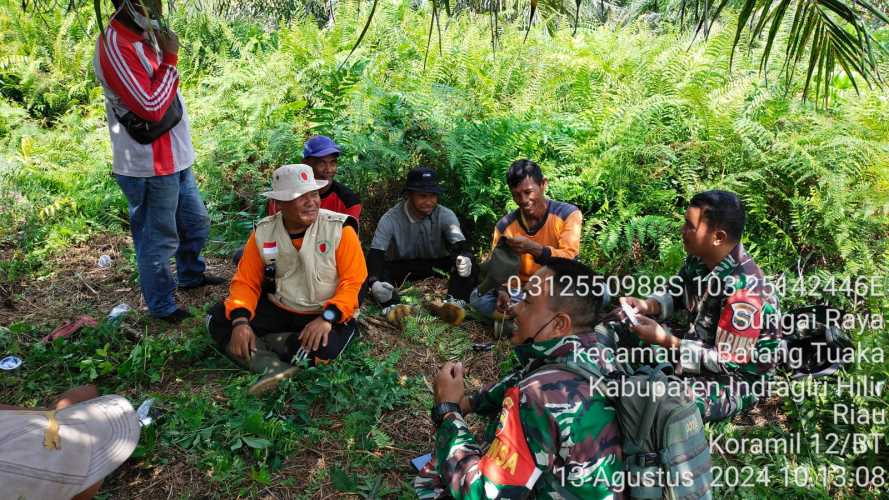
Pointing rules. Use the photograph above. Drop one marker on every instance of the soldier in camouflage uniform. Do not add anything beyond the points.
(548, 435)
(731, 311)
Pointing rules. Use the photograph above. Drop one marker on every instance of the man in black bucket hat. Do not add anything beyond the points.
(412, 239)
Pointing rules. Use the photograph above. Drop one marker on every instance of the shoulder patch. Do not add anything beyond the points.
(561, 210)
(508, 461)
(270, 250)
(506, 220)
(739, 326)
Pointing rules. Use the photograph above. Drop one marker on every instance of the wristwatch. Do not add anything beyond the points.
(442, 409)
(329, 315)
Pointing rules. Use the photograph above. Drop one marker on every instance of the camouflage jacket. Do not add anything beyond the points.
(551, 437)
(732, 316)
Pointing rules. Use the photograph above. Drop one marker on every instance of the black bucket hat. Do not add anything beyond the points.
(422, 180)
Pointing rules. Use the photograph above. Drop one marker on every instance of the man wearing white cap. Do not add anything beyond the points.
(66, 451)
(296, 286)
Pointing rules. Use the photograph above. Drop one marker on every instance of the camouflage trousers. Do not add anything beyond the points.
(429, 485)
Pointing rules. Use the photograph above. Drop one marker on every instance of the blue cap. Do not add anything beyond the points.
(320, 145)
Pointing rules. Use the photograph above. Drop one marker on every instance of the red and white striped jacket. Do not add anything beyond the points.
(138, 77)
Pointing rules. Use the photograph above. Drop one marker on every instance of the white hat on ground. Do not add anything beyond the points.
(59, 454)
(289, 182)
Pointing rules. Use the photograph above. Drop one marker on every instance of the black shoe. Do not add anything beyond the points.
(206, 279)
(176, 316)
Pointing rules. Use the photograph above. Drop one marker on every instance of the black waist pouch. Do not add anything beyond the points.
(146, 132)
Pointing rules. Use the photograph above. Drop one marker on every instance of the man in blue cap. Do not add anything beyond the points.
(321, 153)
(412, 239)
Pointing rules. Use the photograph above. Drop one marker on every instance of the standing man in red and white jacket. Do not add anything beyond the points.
(135, 62)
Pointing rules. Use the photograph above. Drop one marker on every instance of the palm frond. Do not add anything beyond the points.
(370, 17)
(834, 34)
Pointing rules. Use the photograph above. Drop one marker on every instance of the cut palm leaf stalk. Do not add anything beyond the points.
(429, 36)
(531, 20)
(370, 17)
(437, 27)
(97, 6)
(577, 16)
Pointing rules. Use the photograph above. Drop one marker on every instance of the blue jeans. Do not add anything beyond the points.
(167, 218)
(486, 303)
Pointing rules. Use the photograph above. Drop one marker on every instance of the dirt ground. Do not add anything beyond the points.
(76, 285)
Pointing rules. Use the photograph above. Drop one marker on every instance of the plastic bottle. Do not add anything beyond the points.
(144, 412)
(119, 311)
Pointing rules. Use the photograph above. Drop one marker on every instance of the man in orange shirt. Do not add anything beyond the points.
(538, 229)
(296, 286)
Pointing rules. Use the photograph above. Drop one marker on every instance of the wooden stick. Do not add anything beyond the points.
(87, 284)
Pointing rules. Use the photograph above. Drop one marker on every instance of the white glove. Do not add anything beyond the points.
(464, 266)
(382, 291)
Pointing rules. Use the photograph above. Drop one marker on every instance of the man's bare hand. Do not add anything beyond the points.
(242, 344)
(75, 395)
(652, 332)
(168, 41)
(643, 307)
(520, 245)
(502, 302)
(315, 334)
(448, 384)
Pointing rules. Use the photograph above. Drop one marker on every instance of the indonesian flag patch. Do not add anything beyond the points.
(739, 326)
(508, 461)
(270, 249)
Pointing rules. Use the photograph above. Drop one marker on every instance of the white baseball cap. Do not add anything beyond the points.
(59, 454)
(289, 182)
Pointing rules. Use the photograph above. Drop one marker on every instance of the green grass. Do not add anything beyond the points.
(205, 417)
(627, 124)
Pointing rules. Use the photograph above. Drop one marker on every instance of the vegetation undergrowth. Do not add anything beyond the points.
(627, 123)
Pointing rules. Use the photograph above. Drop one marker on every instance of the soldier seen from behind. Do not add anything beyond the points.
(547, 434)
